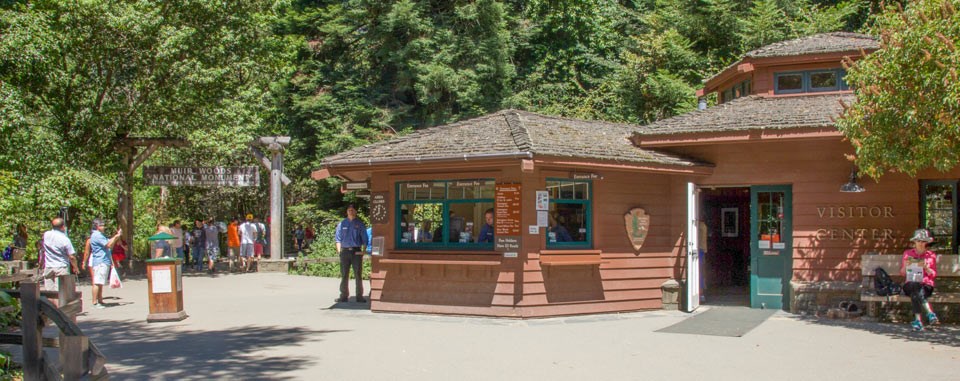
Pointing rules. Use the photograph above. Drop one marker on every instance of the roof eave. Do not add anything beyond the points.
(737, 136)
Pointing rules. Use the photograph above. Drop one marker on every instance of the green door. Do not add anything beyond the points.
(771, 245)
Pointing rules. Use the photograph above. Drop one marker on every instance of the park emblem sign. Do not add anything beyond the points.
(637, 223)
(202, 176)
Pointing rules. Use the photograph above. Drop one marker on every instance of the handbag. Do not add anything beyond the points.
(115, 278)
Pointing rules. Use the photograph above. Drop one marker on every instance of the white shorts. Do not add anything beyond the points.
(246, 250)
(101, 273)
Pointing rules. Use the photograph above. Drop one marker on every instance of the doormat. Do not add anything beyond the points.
(722, 321)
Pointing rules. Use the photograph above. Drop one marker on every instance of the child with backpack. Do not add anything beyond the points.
(919, 266)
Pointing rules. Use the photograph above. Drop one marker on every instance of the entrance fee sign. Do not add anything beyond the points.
(202, 176)
(507, 208)
(507, 228)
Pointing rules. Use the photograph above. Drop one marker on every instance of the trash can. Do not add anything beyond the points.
(165, 290)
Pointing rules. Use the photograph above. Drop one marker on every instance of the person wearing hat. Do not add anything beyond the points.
(100, 263)
(919, 266)
(248, 237)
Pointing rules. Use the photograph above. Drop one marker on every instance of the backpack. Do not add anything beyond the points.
(883, 284)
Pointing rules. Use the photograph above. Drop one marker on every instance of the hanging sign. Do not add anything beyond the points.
(637, 223)
(202, 176)
(585, 176)
(507, 228)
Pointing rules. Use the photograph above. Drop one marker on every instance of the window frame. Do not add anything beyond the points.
(588, 216)
(445, 202)
(923, 208)
(806, 82)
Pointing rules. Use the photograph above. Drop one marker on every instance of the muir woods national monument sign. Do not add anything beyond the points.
(202, 176)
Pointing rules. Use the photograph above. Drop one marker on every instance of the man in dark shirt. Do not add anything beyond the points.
(351, 238)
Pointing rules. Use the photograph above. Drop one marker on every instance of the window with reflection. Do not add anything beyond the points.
(938, 214)
(446, 214)
(569, 223)
(810, 81)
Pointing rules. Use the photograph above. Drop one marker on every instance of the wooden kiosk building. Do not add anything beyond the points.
(594, 217)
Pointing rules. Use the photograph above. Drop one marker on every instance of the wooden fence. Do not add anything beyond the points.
(79, 358)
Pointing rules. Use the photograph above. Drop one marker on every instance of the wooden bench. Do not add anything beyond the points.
(947, 289)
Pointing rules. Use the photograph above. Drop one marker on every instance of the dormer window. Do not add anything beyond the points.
(810, 81)
(741, 89)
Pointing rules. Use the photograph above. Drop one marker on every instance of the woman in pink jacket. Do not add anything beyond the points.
(920, 286)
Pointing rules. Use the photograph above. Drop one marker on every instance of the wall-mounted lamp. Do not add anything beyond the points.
(851, 186)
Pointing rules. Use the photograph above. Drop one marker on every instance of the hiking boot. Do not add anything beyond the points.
(917, 326)
(932, 319)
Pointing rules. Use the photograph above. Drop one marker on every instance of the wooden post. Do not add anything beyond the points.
(32, 331)
(131, 160)
(73, 352)
(275, 145)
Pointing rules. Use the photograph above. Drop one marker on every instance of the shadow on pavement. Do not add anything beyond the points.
(137, 350)
(944, 334)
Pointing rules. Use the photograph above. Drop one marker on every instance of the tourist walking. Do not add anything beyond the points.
(100, 259)
(261, 238)
(58, 255)
(233, 242)
(198, 241)
(919, 267)
(351, 242)
(211, 234)
(248, 237)
(308, 236)
(298, 236)
(177, 242)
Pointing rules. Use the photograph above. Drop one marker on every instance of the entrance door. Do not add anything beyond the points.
(771, 245)
(693, 255)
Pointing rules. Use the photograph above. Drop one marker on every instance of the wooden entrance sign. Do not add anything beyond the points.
(165, 290)
(637, 223)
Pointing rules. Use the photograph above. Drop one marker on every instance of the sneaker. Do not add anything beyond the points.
(932, 319)
(917, 326)
(341, 300)
(99, 306)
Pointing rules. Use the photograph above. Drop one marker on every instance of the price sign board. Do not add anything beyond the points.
(507, 229)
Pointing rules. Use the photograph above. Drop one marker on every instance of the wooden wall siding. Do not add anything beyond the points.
(816, 169)
(628, 279)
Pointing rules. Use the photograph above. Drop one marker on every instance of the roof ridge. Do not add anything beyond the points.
(521, 137)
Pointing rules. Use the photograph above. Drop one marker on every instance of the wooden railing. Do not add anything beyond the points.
(79, 358)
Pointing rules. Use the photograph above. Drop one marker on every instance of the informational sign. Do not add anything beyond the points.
(160, 279)
(507, 209)
(202, 176)
(542, 219)
(506, 243)
(507, 228)
(534, 229)
(543, 200)
(637, 223)
(377, 246)
(379, 210)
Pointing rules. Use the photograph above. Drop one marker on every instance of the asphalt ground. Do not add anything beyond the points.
(278, 326)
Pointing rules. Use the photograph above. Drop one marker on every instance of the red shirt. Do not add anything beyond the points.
(929, 258)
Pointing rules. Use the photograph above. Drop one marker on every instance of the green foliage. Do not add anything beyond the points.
(910, 85)
(325, 247)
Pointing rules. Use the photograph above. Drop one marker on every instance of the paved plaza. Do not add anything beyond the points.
(277, 326)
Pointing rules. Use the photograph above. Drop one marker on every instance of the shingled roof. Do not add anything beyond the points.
(510, 132)
(818, 43)
(753, 113)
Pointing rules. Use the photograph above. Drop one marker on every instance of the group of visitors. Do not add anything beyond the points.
(246, 243)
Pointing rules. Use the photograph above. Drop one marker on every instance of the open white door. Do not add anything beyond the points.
(693, 252)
